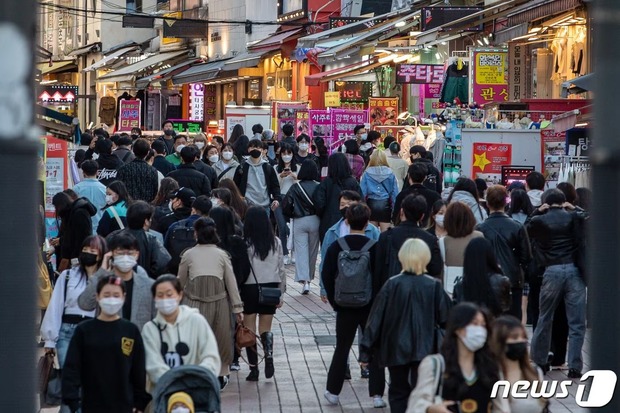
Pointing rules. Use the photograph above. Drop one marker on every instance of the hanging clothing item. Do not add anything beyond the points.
(107, 109)
(437, 149)
(420, 139)
(455, 84)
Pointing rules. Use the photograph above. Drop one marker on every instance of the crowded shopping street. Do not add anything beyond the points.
(309, 206)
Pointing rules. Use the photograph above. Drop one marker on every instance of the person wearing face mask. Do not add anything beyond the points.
(168, 137)
(360, 134)
(463, 373)
(63, 314)
(209, 285)
(180, 402)
(226, 165)
(303, 151)
(211, 155)
(257, 180)
(178, 335)
(105, 366)
(368, 146)
(122, 261)
(436, 222)
(509, 344)
(416, 175)
(287, 177)
(180, 142)
(189, 177)
(115, 212)
(200, 141)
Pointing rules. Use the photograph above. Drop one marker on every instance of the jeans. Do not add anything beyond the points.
(282, 228)
(561, 281)
(402, 381)
(306, 241)
(62, 345)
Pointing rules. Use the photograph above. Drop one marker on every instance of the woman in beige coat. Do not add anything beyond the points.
(209, 285)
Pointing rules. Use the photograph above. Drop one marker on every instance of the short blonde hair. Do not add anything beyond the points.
(378, 158)
(414, 256)
(200, 137)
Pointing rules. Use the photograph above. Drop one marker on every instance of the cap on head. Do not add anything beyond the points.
(181, 397)
(186, 195)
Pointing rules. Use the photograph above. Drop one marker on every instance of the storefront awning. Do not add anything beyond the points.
(578, 85)
(166, 74)
(43, 53)
(199, 73)
(93, 47)
(109, 59)
(130, 72)
(275, 41)
(318, 78)
(247, 59)
(57, 67)
(538, 9)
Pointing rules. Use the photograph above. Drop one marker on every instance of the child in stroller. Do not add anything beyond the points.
(187, 389)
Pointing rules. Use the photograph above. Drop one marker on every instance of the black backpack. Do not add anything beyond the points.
(181, 239)
(354, 281)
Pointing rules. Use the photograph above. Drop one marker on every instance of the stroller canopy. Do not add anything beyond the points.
(198, 382)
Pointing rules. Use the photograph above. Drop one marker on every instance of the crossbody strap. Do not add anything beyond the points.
(118, 219)
(224, 172)
(442, 249)
(303, 191)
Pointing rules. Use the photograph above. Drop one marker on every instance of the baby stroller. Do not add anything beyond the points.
(201, 384)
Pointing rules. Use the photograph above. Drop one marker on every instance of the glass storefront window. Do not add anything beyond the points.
(280, 85)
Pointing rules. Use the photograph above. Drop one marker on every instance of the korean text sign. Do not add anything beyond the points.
(320, 123)
(489, 76)
(344, 121)
(383, 111)
(420, 74)
(129, 114)
(488, 158)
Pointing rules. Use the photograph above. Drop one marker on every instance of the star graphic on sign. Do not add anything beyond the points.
(481, 161)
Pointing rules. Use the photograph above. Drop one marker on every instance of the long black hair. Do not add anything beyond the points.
(467, 185)
(240, 147)
(338, 167)
(520, 202)
(224, 224)
(285, 147)
(235, 134)
(120, 189)
(485, 364)
(258, 233)
(95, 242)
(478, 264)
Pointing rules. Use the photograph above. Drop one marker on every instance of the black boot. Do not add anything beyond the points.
(253, 361)
(267, 339)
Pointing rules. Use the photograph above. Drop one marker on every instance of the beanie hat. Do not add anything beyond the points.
(181, 397)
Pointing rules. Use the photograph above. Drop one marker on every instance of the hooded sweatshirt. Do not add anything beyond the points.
(77, 227)
(465, 197)
(535, 197)
(379, 182)
(256, 191)
(230, 169)
(108, 168)
(190, 328)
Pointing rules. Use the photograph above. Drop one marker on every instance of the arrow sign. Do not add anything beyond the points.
(57, 96)
(69, 96)
(44, 96)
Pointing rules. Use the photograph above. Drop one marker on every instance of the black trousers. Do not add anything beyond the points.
(402, 381)
(515, 308)
(347, 322)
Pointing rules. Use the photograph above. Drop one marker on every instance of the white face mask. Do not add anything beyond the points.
(216, 202)
(303, 146)
(214, 158)
(180, 409)
(109, 199)
(180, 148)
(287, 158)
(439, 220)
(125, 262)
(170, 206)
(475, 337)
(199, 145)
(227, 155)
(167, 306)
(111, 306)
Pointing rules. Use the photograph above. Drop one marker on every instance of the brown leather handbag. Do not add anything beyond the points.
(244, 337)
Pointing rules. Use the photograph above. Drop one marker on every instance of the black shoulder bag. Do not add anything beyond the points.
(267, 295)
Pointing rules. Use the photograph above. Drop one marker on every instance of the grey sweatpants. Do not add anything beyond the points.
(306, 246)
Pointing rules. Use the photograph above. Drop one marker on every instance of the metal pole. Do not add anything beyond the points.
(18, 168)
(605, 224)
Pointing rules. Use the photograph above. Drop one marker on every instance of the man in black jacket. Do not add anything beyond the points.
(123, 149)
(412, 211)
(287, 135)
(160, 162)
(139, 177)
(416, 175)
(108, 163)
(348, 319)
(181, 205)
(188, 176)
(559, 235)
(257, 180)
(510, 243)
(168, 137)
(433, 177)
(204, 168)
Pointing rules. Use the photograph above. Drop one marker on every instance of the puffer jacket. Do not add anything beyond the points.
(379, 182)
(296, 204)
(465, 197)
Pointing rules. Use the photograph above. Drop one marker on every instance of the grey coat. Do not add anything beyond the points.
(142, 304)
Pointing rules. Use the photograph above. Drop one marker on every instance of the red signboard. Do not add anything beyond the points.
(488, 159)
(419, 73)
(129, 114)
(383, 111)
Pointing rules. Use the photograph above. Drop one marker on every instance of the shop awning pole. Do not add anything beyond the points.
(18, 178)
(604, 264)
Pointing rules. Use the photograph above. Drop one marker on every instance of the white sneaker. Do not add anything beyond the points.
(378, 402)
(331, 398)
(287, 260)
(306, 289)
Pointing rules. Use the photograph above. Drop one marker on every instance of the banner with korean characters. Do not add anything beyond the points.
(286, 112)
(320, 124)
(419, 73)
(429, 98)
(302, 124)
(196, 102)
(129, 114)
(345, 120)
(488, 76)
(383, 111)
(488, 159)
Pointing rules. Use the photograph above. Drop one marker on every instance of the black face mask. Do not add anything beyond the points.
(255, 153)
(87, 259)
(169, 132)
(343, 212)
(516, 351)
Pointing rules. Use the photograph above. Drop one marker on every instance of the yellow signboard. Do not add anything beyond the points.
(332, 99)
(491, 68)
(171, 40)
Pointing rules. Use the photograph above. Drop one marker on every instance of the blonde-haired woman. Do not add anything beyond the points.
(401, 327)
(380, 189)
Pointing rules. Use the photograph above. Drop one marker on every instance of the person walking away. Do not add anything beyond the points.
(107, 162)
(180, 142)
(160, 163)
(436, 221)
(520, 206)
(63, 315)
(93, 190)
(355, 160)
(298, 206)
(535, 186)
(75, 227)
(398, 165)
(400, 330)
(287, 177)
(379, 189)
(161, 202)
(257, 131)
(209, 284)
(416, 175)
(326, 198)
(178, 335)
(287, 135)
(509, 344)
(465, 191)
(138, 176)
(464, 371)
(433, 179)
(368, 146)
(204, 168)
(483, 282)
(390, 242)
(351, 287)
(188, 176)
(115, 212)
(227, 165)
(123, 149)
(121, 259)
(105, 366)
(180, 204)
(237, 201)
(266, 271)
(559, 234)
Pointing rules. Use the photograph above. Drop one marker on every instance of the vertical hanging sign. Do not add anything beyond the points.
(196, 102)
(489, 76)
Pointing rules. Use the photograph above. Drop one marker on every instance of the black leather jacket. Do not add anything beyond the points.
(298, 205)
(510, 243)
(401, 325)
(559, 235)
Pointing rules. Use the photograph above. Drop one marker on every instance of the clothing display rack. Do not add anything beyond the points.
(575, 170)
